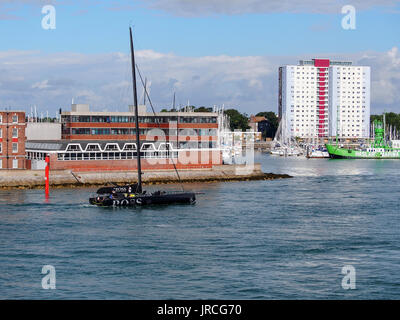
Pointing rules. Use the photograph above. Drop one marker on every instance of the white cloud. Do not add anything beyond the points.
(231, 7)
(41, 85)
(248, 83)
(385, 78)
(8, 8)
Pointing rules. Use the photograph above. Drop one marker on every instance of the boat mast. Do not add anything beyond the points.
(139, 167)
(384, 126)
(337, 125)
(144, 91)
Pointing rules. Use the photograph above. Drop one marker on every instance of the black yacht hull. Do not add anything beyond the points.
(132, 195)
(142, 200)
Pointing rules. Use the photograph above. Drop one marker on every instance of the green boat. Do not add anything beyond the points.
(378, 149)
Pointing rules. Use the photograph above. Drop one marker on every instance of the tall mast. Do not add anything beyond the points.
(139, 167)
(177, 122)
(337, 124)
(144, 92)
(384, 126)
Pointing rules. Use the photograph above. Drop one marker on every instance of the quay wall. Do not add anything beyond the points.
(25, 179)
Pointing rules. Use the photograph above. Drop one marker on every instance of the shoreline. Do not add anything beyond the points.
(34, 179)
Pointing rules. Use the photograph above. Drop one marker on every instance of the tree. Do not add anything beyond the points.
(237, 120)
(273, 120)
(391, 118)
(203, 109)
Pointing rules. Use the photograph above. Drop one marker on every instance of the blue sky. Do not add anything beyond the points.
(209, 51)
(93, 28)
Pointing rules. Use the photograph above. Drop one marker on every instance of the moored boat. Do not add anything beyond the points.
(285, 151)
(379, 149)
(317, 154)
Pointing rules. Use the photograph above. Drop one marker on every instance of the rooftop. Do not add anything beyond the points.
(84, 110)
(331, 63)
(257, 119)
(12, 111)
(145, 114)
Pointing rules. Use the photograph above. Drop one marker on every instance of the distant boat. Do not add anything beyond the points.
(283, 144)
(132, 195)
(319, 152)
(286, 151)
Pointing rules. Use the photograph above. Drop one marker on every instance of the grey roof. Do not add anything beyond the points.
(44, 145)
(61, 145)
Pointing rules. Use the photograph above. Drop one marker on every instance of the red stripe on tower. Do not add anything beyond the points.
(322, 65)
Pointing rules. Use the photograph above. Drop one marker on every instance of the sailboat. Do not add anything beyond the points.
(132, 195)
(283, 143)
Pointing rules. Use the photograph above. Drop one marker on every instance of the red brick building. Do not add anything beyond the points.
(100, 141)
(12, 140)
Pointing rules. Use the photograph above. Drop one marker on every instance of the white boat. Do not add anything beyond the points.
(286, 151)
(283, 144)
(318, 154)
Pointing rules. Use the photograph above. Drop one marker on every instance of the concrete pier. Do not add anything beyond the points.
(29, 179)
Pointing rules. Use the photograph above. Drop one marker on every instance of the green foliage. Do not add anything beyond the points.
(203, 109)
(237, 120)
(391, 118)
(171, 110)
(273, 120)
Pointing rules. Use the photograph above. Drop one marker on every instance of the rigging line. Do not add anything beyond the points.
(124, 88)
(152, 108)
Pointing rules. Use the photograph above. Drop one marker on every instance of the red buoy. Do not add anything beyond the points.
(47, 171)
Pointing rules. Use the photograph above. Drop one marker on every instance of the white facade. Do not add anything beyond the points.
(43, 131)
(350, 93)
(311, 92)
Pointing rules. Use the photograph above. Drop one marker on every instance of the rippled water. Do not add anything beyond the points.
(282, 239)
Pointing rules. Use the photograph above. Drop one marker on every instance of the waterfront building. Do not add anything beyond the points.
(262, 126)
(316, 96)
(12, 139)
(97, 141)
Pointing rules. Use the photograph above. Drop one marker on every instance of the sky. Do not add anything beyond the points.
(209, 52)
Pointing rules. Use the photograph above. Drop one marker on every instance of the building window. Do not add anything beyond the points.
(1, 119)
(1, 148)
(15, 133)
(15, 147)
(1, 133)
(15, 118)
(15, 164)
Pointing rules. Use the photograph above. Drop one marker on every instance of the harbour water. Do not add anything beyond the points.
(278, 239)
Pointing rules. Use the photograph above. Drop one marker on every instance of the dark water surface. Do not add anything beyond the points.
(282, 239)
